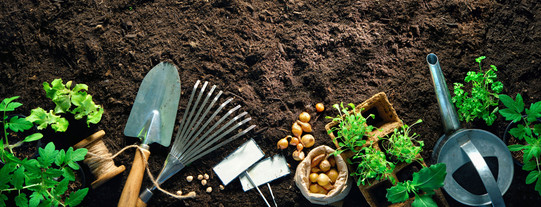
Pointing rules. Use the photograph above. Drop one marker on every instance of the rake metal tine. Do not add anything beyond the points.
(204, 140)
(184, 118)
(189, 120)
(221, 144)
(183, 146)
(196, 126)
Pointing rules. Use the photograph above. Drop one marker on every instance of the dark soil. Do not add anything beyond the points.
(274, 57)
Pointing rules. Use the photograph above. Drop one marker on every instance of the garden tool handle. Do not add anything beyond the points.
(130, 193)
(140, 203)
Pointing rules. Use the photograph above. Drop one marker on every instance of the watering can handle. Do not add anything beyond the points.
(447, 110)
(484, 172)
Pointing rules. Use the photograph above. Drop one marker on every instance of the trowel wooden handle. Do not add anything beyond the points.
(130, 193)
(140, 203)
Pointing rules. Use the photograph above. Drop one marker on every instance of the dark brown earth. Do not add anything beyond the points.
(274, 57)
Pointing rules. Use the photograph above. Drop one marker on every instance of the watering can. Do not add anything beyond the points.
(462, 146)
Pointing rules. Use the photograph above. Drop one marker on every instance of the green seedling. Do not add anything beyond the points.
(15, 124)
(483, 99)
(526, 130)
(401, 144)
(351, 130)
(372, 165)
(42, 181)
(422, 186)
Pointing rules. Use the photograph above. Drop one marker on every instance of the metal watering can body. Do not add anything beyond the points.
(461, 146)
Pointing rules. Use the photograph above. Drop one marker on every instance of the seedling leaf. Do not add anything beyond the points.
(76, 198)
(424, 201)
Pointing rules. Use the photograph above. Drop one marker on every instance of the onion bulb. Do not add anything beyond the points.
(313, 177)
(328, 187)
(323, 191)
(332, 161)
(306, 127)
(325, 165)
(282, 143)
(320, 107)
(300, 147)
(315, 188)
(298, 155)
(304, 117)
(333, 175)
(296, 129)
(315, 170)
(308, 140)
(323, 179)
(294, 141)
(317, 159)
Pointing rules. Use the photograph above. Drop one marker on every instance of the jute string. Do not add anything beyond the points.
(101, 164)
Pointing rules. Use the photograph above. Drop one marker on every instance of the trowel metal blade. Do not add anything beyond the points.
(154, 110)
(238, 161)
(265, 171)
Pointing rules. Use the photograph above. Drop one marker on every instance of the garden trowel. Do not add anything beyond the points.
(152, 120)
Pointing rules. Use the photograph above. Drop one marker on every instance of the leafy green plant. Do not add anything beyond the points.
(422, 186)
(526, 130)
(42, 181)
(351, 130)
(67, 100)
(372, 165)
(15, 124)
(401, 146)
(483, 96)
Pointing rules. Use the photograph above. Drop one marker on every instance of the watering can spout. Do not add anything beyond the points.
(447, 110)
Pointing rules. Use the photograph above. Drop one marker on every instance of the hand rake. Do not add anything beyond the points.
(190, 144)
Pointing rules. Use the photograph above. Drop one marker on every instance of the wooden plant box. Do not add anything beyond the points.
(385, 121)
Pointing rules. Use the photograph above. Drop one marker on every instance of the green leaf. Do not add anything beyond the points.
(397, 193)
(479, 59)
(497, 87)
(79, 87)
(17, 124)
(62, 187)
(54, 173)
(518, 132)
(48, 155)
(537, 129)
(68, 174)
(519, 103)
(532, 176)
(510, 115)
(43, 119)
(424, 201)
(6, 104)
(509, 103)
(531, 152)
(430, 178)
(32, 167)
(33, 137)
(76, 197)
(35, 199)
(530, 165)
(21, 200)
(59, 160)
(5, 174)
(3, 199)
(18, 178)
(534, 112)
(538, 186)
(515, 147)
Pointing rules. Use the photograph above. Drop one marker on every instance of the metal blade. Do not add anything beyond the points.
(154, 110)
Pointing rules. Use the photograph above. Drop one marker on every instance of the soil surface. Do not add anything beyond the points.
(274, 58)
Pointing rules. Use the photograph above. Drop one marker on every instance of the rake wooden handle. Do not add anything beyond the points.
(140, 203)
(130, 193)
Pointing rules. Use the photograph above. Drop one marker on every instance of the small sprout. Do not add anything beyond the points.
(206, 176)
(222, 187)
(189, 178)
(308, 140)
(204, 182)
(320, 107)
(298, 155)
(282, 143)
(200, 177)
(209, 189)
(296, 129)
(304, 117)
(179, 192)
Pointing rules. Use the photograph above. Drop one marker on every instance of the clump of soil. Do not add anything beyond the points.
(274, 57)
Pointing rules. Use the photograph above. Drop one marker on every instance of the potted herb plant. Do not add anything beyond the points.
(527, 130)
(424, 185)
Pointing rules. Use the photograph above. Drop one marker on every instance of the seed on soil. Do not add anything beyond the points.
(320, 107)
(189, 178)
(209, 189)
(204, 182)
(222, 187)
(304, 117)
(200, 177)
(206, 176)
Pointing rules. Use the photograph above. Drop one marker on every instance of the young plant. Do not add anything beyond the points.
(372, 165)
(401, 144)
(75, 101)
(15, 124)
(422, 186)
(351, 130)
(42, 181)
(527, 130)
(483, 97)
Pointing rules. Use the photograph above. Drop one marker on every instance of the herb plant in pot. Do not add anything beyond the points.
(528, 129)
